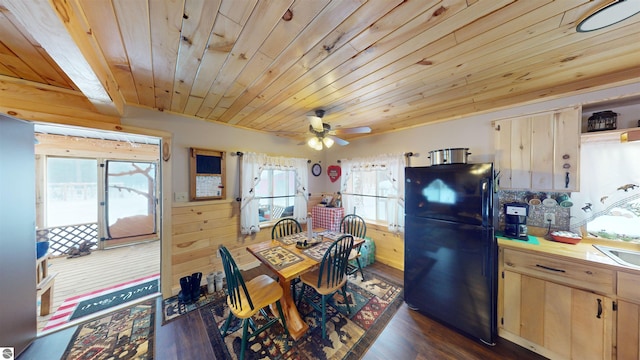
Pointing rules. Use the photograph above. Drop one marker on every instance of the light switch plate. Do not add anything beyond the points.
(180, 196)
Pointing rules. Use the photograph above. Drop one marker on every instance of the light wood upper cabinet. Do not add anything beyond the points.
(539, 151)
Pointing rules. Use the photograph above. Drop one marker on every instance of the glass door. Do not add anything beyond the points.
(130, 202)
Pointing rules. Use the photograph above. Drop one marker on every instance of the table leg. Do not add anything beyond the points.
(296, 325)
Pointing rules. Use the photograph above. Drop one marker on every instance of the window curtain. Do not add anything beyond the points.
(392, 165)
(252, 166)
(609, 177)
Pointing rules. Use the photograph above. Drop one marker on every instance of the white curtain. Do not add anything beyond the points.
(252, 166)
(609, 177)
(392, 165)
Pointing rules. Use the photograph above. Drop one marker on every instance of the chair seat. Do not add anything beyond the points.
(263, 291)
(311, 278)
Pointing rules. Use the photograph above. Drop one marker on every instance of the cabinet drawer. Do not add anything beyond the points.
(629, 286)
(560, 271)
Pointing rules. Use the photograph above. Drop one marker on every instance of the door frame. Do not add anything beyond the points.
(164, 196)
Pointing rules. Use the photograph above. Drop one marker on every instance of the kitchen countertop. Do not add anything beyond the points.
(582, 252)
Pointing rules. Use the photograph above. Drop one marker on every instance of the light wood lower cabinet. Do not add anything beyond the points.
(628, 326)
(628, 330)
(557, 321)
(548, 314)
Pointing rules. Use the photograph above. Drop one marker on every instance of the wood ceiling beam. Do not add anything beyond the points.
(33, 101)
(70, 43)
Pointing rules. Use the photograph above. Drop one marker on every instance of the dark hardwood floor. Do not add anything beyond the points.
(409, 335)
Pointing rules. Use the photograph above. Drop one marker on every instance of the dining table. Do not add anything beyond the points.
(288, 258)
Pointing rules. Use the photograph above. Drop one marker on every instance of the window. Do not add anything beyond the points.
(374, 189)
(367, 193)
(271, 182)
(276, 193)
(72, 191)
(608, 203)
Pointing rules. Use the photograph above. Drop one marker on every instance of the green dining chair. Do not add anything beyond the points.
(284, 227)
(330, 277)
(353, 224)
(245, 299)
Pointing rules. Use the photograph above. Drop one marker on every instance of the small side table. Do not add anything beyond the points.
(327, 217)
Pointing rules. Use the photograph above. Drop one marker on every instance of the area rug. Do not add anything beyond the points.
(127, 333)
(80, 307)
(373, 303)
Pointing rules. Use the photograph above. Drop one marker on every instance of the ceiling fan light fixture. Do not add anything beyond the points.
(315, 143)
(609, 14)
(328, 142)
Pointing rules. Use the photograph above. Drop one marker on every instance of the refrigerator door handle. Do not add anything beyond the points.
(486, 200)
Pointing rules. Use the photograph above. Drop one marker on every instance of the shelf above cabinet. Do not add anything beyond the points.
(610, 135)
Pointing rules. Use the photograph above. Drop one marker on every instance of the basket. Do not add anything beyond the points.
(600, 121)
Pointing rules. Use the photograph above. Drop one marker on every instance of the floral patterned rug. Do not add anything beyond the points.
(127, 333)
(373, 303)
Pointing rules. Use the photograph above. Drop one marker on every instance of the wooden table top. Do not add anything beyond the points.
(295, 269)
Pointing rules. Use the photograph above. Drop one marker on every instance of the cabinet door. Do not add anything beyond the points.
(591, 326)
(566, 161)
(557, 312)
(539, 151)
(628, 330)
(513, 153)
(556, 320)
(542, 142)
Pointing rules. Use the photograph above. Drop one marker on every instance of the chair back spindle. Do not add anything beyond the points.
(235, 282)
(284, 227)
(334, 262)
(354, 225)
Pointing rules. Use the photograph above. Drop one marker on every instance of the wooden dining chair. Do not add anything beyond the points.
(245, 299)
(284, 227)
(330, 277)
(353, 224)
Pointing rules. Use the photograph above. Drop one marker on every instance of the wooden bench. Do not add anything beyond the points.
(44, 287)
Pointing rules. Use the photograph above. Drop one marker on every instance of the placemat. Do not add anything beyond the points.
(293, 238)
(317, 252)
(331, 235)
(279, 257)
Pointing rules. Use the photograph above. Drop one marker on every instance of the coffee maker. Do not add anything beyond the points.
(516, 220)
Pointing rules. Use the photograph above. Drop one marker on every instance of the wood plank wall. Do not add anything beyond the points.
(198, 229)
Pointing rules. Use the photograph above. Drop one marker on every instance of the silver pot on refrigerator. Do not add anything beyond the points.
(449, 156)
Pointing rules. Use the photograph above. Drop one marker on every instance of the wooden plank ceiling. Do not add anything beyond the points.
(264, 65)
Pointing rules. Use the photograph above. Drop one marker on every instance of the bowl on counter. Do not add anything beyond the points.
(566, 237)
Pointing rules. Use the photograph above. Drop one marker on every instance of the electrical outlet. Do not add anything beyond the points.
(550, 218)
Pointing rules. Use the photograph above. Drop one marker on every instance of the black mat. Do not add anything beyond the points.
(115, 298)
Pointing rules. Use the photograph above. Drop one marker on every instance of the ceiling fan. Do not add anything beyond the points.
(322, 133)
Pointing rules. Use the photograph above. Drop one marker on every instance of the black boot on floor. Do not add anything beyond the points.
(195, 286)
(184, 296)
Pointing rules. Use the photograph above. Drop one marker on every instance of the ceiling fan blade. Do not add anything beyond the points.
(353, 130)
(339, 141)
(316, 123)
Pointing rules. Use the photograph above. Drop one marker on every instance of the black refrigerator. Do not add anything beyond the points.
(450, 261)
